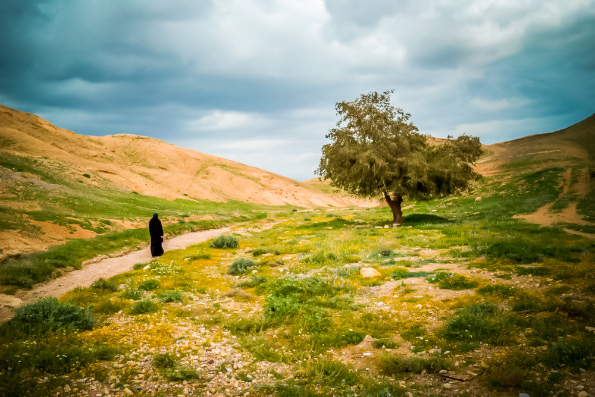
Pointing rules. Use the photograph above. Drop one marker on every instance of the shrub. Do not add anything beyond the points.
(149, 285)
(162, 361)
(224, 242)
(497, 290)
(401, 273)
(395, 364)
(452, 281)
(104, 285)
(133, 295)
(170, 296)
(254, 281)
(240, 266)
(108, 307)
(480, 322)
(143, 307)
(575, 354)
(49, 314)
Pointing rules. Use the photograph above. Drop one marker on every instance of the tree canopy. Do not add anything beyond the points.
(376, 150)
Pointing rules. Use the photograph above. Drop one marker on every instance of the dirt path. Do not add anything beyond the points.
(105, 268)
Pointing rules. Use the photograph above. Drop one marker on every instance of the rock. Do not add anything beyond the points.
(128, 391)
(583, 394)
(590, 329)
(443, 371)
(447, 386)
(368, 272)
(579, 387)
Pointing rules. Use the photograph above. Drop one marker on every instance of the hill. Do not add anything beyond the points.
(58, 185)
(569, 153)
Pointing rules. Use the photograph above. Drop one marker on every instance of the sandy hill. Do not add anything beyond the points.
(56, 185)
(152, 167)
(572, 146)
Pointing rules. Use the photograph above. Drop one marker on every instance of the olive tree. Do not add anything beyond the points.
(376, 150)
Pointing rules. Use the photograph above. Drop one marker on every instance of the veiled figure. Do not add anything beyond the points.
(156, 231)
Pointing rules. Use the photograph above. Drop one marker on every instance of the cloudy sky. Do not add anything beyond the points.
(256, 81)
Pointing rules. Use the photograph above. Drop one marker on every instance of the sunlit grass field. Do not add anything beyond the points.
(462, 290)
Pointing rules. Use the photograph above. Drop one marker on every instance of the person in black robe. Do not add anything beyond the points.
(156, 231)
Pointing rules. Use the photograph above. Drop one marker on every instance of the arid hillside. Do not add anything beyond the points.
(150, 166)
(569, 147)
(56, 185)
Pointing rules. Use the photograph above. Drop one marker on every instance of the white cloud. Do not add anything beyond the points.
(502, 104)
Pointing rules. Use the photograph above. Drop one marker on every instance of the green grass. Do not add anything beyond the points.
(306, 308)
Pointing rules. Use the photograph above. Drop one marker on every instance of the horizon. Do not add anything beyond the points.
(256, 82)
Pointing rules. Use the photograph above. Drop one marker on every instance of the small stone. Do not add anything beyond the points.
(579, 387)
(447, 385)
(443, 371)
(583, 394)
(128, 391)
(590, 329)
(523, 395)
(368, 272)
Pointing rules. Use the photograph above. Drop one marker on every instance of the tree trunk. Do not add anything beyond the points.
(395, 206)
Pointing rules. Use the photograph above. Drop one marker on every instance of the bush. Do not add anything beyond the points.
(170, 296)
(49, 314)
(149, 285)
(575, 354)
(452, 281)
(104, 285)
(162, 361)
(497, 290)
(481, 322)
(133, 295)
(240, 266)
(143, 307)
(394, 364)
(224, 242)
(108, 307)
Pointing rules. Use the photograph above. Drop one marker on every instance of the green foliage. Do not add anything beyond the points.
(452, 281)
(401, 273)
(104, 285)
(522, 250)
(48, 315)
(392, 364)
(133, 295)
(240, 266)
(171, 370)
(107, 307)
(149, 285)
(567, 353)
(224, 242)
(482, 322)
(497, 290)
(162, 361)
(143, 307)
(376, 150)
(170, 296)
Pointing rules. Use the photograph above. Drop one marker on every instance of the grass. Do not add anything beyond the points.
(296, 304)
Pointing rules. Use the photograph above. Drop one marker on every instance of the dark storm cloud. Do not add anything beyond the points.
(256, 80)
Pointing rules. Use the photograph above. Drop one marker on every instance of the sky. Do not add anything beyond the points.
(256, 81)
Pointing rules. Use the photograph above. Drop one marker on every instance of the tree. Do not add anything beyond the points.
(376, 150)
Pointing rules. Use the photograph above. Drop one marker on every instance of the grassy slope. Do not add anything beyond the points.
(46, 194)
(508, 299)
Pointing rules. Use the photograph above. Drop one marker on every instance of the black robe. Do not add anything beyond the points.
(156, 231)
